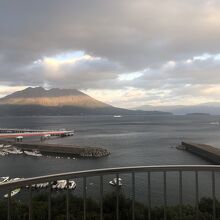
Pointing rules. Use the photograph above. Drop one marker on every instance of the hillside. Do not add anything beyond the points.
(39, 101)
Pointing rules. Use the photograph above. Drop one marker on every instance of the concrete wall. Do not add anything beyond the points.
(209, 153)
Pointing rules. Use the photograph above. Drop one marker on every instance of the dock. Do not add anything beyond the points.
(14, 133)
(205, 151)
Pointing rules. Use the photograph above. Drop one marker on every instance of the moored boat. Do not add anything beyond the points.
(33, 153)
(2, 153)
(4, 179)
(15, 191)
(117, 116)
(72, 184)
(7, 145)
(13, 151)
(114, 182)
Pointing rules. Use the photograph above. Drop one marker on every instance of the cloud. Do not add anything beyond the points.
(154, 46)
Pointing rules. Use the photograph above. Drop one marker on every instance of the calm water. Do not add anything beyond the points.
(132, 141)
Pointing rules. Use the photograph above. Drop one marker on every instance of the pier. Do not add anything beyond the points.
(19, 134)
(207, 152)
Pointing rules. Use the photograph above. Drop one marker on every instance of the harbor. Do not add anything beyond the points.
(17, 141)
(205, 151)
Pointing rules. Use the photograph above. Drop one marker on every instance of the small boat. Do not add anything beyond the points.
(72, 184)
(7, 145)
(214, 123)
(15, 191)
(1, 145)
(2, 153)
(117, 116)
(114, 182)
(33, 153)
(41, 185)
(59, 184)
(70, 134)
(45, 185)
(180, 147)
(35, 186)
(13, 151)
(54, 184)
(4, 179)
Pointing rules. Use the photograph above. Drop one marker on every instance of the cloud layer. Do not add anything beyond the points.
(125, 52)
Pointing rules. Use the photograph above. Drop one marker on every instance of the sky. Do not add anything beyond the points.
(124, 52)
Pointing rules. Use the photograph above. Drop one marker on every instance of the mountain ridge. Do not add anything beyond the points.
(212, 108)
(67, 102)
(52, 97)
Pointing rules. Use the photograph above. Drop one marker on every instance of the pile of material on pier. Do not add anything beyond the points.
(82, 151)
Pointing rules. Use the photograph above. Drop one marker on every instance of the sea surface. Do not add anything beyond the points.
(132, 141)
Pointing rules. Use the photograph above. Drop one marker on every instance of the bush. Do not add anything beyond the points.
(58, 211)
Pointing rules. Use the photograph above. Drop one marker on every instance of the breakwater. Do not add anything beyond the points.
(82, 151)
(205, 151)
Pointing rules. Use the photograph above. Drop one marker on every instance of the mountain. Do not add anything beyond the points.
(205, 108)
(52, 97)
(39, 101)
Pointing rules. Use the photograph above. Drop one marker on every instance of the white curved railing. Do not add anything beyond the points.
(118, 171)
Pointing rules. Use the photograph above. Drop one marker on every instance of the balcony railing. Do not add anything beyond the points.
(100, 173)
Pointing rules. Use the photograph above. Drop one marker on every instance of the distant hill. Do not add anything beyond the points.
(39, 101)
(205, 108)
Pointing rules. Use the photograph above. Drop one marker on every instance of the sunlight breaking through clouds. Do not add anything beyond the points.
(129, 76)
(59, 60)
(140, 46)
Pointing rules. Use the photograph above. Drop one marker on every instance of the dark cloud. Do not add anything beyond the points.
(128, 36)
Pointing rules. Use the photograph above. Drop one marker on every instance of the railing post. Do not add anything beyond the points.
(30, 202)
(67, 200)
(133, 196)
(165, 194)
(149, 194)
(117, 196)
(49, 201)
(101, 197)
(84, 198)
(180, 193)
(213, 195)
(9, 205)
(197, 195)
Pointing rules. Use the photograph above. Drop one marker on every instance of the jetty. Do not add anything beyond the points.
(19, 134)
(205, 151)
(61, 149)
